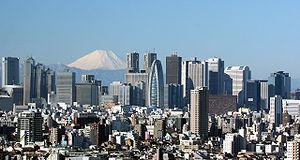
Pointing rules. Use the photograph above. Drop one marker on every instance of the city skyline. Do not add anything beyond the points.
(240, 33)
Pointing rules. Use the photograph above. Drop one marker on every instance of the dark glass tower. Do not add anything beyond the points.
(173, 69)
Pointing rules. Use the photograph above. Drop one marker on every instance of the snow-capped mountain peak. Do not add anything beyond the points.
(99, 59)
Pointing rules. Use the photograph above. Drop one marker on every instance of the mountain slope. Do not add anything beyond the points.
(99, 59)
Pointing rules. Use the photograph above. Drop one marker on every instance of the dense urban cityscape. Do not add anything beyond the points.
(194, 109)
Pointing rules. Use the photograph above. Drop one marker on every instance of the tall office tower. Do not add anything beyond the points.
(193, 75)
(10, 71)
(138, 91)
(253, 95)
(173, 95)
(125, 95)
(132, 62)
(30, 127)
(215, 76)
(40, 81)
(264, 94)
(65, 87)
(199, 111)
(149, 58)
(173, 69)
(276, 110)
(239, 75)
(293, 150)
(87, 91)
(29, 80)
(156, 85)
(50, 78)
(280, 84)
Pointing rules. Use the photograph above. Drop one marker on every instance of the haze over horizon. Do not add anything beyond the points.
(260, 34)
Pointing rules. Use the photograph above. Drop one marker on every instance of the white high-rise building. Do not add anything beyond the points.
(291, 106)
(293, 150)
(264, 94)
(233, 143)
(239, 76)
(276, 110)
(199, 111)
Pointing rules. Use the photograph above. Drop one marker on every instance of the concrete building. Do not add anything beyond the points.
(65, 88)
(173, 69)
(30, 127)
(291, 106)
(126, 95)
(293, 150)
(199, 111)
(159, 129)
(233, 144)
(215, 76)
(10, 71)
(276, 111)
(156, 85)
(239, 76)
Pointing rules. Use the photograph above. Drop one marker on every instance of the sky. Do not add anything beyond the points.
(265, 35)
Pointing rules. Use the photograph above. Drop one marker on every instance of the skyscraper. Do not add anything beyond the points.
(276, 110)
(65, 88)
(194, 74)
(239, 75)
(51, 86)
(215, 76)
(35, 81)
(264, 94)
(156, 85)
(132, 62)
(199, 111)
(40, 81)
(173, 69)
(87, 92)
(173, 95)
(253, 95)
(149, 58)
(280, 84)
(10, 71)
(29, 80)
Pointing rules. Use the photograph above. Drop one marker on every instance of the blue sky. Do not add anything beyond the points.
(262, 34)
